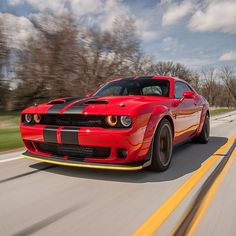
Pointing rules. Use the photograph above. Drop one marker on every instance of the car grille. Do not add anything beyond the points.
(73, 120)
(74, 150)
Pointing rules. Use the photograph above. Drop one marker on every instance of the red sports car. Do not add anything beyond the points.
(126, 124)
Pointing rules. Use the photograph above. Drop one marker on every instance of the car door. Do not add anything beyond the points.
(186, 112)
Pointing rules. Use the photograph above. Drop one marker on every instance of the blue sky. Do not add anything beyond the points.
(194, 32)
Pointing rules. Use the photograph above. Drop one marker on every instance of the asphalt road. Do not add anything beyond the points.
(42, 199)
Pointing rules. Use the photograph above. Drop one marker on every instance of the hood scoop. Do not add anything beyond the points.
(97, 102)
(53, 102)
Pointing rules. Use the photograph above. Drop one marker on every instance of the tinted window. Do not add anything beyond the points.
(152, 90)
(181, 87)
(146, 87)
(113, 90)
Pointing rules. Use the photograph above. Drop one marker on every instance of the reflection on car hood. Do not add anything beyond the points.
(112, 105)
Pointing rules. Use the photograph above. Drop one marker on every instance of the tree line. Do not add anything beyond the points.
(67, 58)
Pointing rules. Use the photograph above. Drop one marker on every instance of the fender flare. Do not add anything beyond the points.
(157, 116)
(205, 110)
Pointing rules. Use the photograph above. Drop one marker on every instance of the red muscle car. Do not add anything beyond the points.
(127, 124)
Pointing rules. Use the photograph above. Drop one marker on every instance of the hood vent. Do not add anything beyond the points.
(53, 102)
(96, 102)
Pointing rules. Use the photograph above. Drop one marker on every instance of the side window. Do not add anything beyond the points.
(181, 87)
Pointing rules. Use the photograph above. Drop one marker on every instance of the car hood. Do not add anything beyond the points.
(112, 105)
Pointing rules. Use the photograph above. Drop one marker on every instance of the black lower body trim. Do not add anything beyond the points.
(73, 151)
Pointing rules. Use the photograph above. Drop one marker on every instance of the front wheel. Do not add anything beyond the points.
(162, 147)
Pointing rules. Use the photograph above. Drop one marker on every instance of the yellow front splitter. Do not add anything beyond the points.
(51, 160)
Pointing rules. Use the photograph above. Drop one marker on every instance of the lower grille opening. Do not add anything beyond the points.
(74, 151)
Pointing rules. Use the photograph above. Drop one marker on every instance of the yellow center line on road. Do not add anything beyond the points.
(210, 195)
(153, 223)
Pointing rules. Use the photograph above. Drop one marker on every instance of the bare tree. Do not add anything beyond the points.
(228, 75)
(70, 59)
(47, 65)
(4, 54)
(109, 54)
(209, 84)
(67, 58)
(174, 69)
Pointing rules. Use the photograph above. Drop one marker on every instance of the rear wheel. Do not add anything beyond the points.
(205, 133)
(162, 147)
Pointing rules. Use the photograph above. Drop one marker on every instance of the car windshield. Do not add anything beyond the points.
(145, 87)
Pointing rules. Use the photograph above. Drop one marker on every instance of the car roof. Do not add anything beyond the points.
(152, 77)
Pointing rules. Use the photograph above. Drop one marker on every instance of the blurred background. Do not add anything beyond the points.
(62, 48)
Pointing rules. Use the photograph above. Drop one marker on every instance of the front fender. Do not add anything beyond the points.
(157, 115)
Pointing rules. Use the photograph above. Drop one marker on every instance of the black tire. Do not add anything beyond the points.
(205, 133)
(162, 147)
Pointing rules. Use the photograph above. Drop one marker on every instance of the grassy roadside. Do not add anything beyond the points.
(219, 111)
(10, 139)
(10, 135)
(9, 131)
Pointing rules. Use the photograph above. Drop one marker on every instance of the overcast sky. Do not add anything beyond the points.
(194, 32)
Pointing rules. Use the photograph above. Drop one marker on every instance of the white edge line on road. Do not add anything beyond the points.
(10, 159)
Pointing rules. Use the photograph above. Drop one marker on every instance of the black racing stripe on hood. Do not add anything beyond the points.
(75, 109)
(58, 107)
(78, 107)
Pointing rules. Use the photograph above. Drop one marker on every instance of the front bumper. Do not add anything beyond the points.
(131, 140)
(57, 161)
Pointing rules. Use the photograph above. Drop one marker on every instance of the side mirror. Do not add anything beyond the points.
(188, 94)
(89, 95)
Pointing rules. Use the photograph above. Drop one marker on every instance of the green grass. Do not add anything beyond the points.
(218, 111)
(9, 131)
(12, 118)
(10, 138)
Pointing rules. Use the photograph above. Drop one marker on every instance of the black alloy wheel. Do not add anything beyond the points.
(162, 147)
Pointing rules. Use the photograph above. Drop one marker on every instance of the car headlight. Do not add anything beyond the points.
(37, 118)
(112, 120)
(126, 121)
(28, 118)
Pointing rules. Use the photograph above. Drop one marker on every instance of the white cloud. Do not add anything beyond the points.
(57, 6)
(77, 7)
(82, 7)
(170, 44)
(102, 12)
(19, 29)
(148, 35)
(105, 10)
(196, 62)
(109, 11)
(215, 15)
(14, 2)
(175, 12)
(228, 56)
(146, 30)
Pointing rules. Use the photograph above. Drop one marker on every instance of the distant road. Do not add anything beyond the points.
(43, 199)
